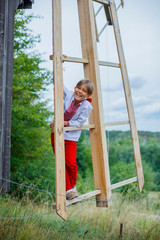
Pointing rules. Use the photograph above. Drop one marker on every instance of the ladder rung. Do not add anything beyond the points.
(72, 59)
(85, 60)
(81, 198)
(109, 64)
(105, 2)
(116, 123)
(90, 126)
(125, 182)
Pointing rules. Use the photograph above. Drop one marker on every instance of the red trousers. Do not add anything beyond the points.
(70, 162)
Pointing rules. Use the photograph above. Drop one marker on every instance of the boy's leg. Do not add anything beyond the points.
(52, 141)
(69, 156)
(71, 163)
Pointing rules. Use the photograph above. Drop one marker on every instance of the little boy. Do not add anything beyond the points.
(77, 107)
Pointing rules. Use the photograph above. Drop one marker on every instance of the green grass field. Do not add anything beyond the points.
(140, 219)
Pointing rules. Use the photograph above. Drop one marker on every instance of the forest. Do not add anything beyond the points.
(32, 159)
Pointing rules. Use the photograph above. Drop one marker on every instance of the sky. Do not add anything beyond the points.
(139, 22)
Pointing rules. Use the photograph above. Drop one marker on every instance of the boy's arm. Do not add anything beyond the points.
(82, 118)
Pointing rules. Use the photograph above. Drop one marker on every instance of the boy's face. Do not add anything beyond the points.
(80, 93)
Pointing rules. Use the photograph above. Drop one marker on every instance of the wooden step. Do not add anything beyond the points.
(81, 198)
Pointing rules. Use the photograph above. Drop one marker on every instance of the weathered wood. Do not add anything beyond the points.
(116, 123)
(128, 97)
(91, 71)
(123, 183)
(58, 111)
(7, 11)
(81, 198)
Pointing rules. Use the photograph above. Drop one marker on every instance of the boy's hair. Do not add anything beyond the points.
(89, 84)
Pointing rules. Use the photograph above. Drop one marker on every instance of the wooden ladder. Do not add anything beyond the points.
(97, 126)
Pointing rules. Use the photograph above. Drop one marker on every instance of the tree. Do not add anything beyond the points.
(31, 154)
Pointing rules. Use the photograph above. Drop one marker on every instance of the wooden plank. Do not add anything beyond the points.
(91, 71)
(109, 64)
(104, 2)
(81, 198)
(123, 183)
(116, 123)
(128, 97)
(58, 111)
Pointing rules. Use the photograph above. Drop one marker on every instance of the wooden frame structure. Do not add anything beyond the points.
(97, 126)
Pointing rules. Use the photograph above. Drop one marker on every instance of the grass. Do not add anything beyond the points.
(140, 219)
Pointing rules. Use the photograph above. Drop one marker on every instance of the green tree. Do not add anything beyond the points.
(31, 155)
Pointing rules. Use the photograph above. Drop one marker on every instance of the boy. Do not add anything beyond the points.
(77, 108)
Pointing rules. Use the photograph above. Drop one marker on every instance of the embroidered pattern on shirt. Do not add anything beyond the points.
(70, 111)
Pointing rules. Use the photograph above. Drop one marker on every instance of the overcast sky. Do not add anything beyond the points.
(139, 22)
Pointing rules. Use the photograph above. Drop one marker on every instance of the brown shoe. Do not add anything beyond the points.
(72, 194)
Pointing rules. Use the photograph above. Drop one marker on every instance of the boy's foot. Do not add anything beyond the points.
(72, 194)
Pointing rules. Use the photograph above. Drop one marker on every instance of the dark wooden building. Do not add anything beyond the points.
(7, 13)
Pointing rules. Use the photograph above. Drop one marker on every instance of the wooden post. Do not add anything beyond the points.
(97, 135)
(58, 111)
(128, 96)
(7, 12)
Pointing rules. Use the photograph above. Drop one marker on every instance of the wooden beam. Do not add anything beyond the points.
(104, 2)
(109, 64)
(116, 123)
(81, 198)
(108, 15)
(95, 23)
(128, 96)
(91, 71)
(84, 60)
(71, 59)
(123, 183)
(90, 126)
(58, 112)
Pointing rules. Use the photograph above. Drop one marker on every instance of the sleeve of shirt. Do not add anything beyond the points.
(82, 117)
(66, 92)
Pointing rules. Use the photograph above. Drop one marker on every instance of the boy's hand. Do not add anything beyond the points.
(52, 124)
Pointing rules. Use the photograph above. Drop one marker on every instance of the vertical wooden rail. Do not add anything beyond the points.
(97, 135)
(58, 111)
(128, 96)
